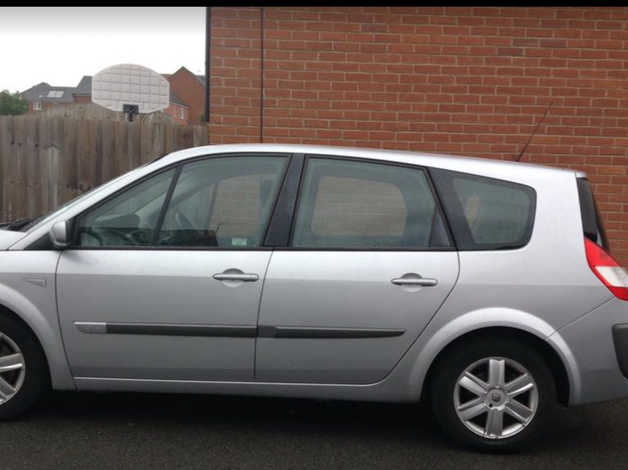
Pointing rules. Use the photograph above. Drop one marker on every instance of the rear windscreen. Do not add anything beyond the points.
(591, 220)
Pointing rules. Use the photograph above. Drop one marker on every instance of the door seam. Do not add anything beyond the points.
(429, 322)
(59, 325)
(259, 309)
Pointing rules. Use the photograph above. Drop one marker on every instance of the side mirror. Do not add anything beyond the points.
(59, 235)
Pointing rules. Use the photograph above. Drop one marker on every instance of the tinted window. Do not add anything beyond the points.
(222, 202)
(591, 220)
(349, 204)
(129, 218)
(486, 213)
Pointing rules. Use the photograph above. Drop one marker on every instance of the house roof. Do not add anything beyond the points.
(199, 78)
(41, 92)
(84, 87)
(46, 92)
(34, 92)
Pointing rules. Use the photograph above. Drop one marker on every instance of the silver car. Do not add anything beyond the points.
(484, 287)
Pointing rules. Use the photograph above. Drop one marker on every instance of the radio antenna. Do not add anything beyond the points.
(538, 124)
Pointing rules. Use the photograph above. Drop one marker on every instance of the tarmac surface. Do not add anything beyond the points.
(136, 431)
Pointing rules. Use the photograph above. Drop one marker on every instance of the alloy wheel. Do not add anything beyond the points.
(12, 368)
(496, 397)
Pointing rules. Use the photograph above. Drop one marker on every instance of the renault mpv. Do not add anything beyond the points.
(484, 287)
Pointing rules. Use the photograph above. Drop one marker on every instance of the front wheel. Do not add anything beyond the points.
(23, 368)
(493, 394)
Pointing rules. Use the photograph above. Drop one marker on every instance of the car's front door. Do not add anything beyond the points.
(164, 279)
(369, 264)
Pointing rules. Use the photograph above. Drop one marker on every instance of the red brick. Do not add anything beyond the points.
(456, 80)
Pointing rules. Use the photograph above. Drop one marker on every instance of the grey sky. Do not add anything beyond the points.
(59, 45)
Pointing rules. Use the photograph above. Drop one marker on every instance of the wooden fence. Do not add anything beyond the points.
(45, 161)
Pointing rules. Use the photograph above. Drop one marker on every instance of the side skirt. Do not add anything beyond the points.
(378, 392)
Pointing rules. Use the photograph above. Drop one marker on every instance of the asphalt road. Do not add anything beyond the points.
(136, 431)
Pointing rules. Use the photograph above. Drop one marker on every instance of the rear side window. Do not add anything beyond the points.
(360, 205)
(486, 213)
(591, 220)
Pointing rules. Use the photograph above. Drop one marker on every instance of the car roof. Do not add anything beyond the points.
(474, 165)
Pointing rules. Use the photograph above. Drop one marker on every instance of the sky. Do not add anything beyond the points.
(59, 45)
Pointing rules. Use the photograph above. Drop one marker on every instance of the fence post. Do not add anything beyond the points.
(107, 150)
(4, 154)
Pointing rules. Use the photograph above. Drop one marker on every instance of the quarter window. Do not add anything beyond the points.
(486, 213)
(362, 205)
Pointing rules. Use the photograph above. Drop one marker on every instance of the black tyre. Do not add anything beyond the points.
(493, 394)
(24, 375)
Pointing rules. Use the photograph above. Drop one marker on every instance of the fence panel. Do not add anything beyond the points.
(47, 160)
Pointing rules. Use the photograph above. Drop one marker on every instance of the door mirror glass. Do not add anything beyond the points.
(59, 235)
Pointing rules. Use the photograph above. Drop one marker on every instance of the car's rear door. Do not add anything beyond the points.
(164, 278)
(369, 263)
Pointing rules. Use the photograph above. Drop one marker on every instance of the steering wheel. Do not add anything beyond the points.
(129, 237)
(92, 233)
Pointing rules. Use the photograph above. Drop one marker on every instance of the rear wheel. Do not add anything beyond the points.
(23, 368)
(493, 394)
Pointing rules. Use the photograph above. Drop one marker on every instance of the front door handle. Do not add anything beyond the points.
(414, 281)
(244, 277)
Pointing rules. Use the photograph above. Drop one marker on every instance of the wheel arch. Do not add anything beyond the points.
(15, 317)
(520, 326)
(46, 331)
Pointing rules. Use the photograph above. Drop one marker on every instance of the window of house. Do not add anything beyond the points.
(55, 94)
(362, 205)
(37, 106)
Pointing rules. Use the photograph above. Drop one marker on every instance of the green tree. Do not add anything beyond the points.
(12, 103)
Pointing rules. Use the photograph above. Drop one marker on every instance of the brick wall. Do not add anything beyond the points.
(180, 114)
(470, 81)
(235, 81)
(187, 87)
(82, 99)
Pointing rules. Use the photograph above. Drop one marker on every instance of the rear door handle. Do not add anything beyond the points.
(414, 281)
(243, 277)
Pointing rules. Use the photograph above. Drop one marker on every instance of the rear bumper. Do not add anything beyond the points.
(598, 342)
(620, 340)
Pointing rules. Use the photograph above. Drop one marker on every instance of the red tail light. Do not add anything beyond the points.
(607, 269)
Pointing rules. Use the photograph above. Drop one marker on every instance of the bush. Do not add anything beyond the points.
(12, 104)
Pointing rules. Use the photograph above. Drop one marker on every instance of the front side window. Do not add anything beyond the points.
(217, 202)
(348, 204)
(222, 202)
(486, 213)
(128, 219)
